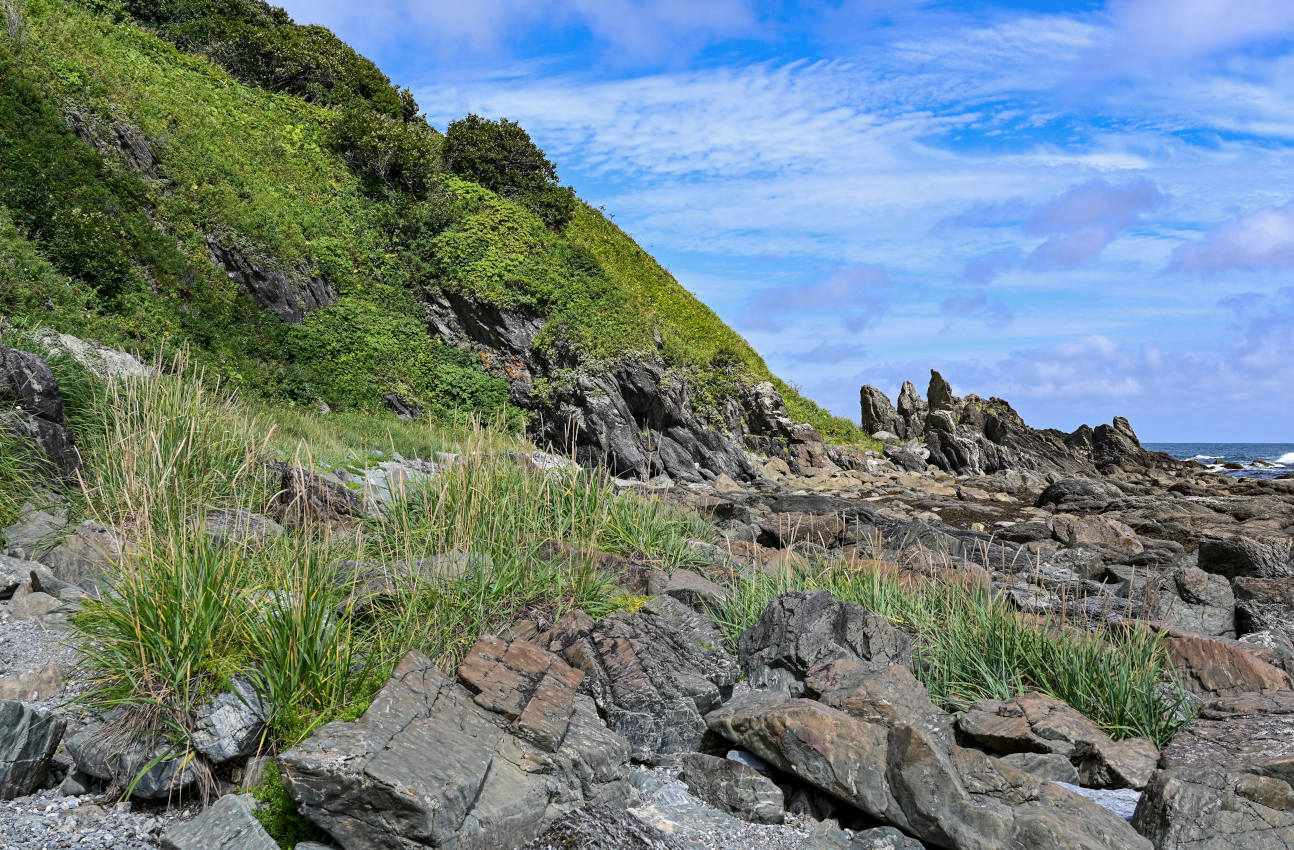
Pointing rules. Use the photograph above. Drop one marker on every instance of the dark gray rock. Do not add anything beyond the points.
(228, 824)
(402, 407)
(734, 787)
(1264, 604)
(14, 573)
(601, 827)
(912, 411)
(1195, 601)
(428, 765)
(31, 408)
(654, 674)
(798, 633)
(1078, 495)
(28, 739)
(1250, 557)
(231, 725)
(695, 591)
(1052, 767)
(939, 395)
(290, 295)
(877, 412)
(1225, 780)
(239, 527)
(116, 137)
(123, 761)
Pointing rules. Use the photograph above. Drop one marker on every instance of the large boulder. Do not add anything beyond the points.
(918, 780)
(800, 632)
(1240, 555)
(1080, 495)
(1264, 604)
(150, 768)
(877, 412)
(1215, 667)
(432, 764)
(31, 409)
(230, 725)
(28, 739)
(1225, 780)
(654, 674)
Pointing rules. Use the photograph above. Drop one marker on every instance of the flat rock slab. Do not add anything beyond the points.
(520, 681)
(228, 824)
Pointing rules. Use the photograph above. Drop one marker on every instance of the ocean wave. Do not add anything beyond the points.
(1219, 457)
(1286, 459)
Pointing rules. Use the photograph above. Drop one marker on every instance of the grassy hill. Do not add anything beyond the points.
(278, 139)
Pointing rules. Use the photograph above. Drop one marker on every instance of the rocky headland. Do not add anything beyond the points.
(646, 729)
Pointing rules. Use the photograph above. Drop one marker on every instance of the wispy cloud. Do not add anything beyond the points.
(857, 296)
(1261, 239)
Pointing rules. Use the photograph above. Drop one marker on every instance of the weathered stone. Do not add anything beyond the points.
(734, 788)
(801, 631)
(118, 759)
(231, 725)
(289, 295)
(791, 527)
(1078, 495)
(240, 527)
(31, 408)
(28, 739)
(1052, 767)
(526, 684)
(601, 827)
(228, 824)
(1196, 601)
(1225, 780)
(634, 576)
(916, 780)
(427, 766)
(90, 551)
(939, 395)
(1095, 531)
(877, 412)
(1212, 667)
(1116, 764)
(695, 591)
(305, 498)
(35, 685)
(1264, 604)
(654, 674)
(1247, 556)
(1030, 723)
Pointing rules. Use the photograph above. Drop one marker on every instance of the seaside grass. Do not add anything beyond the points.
(972, 645)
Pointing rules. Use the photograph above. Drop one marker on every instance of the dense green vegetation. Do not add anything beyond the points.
(973, 645)
(281, 140)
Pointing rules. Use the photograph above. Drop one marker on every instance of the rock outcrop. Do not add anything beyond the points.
(290, 295)
(31, 409)
(974, 436)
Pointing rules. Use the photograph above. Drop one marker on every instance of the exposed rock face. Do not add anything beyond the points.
(288, 295)
(1211, 667)
(1264, 604)
(119, 138)
(227, 825)
(1248, 556)
(917, 780)
(734, 787)
(654, 674)
(1225, 780)
(971, 436)
(877, 412)
(636, 417)
(28, 739)
(31, 408)
(428, 765)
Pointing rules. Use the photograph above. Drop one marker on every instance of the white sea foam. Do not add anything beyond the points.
(1208, 457)
(1286, 459)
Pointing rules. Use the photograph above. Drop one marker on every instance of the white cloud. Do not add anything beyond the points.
(1263, 238)
(1159, 32)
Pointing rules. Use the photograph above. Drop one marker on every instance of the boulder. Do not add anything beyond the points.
(35, 685)
(1078, 495)
(306, 498)
(1101, 531)
(1195, 601)
(1213, 667)
(228, 824)
(1243, 556)
(89, 552)
(695, 591)
(602, 827)
(734, 787)
(240, 527)
(31, 408)
(917, 780)
(800, 632)
(1264, 604)
(912, 411)
(1116, 764)
(527, 685)
(102, 361)
(1225, 780)
(939, 395)
(1052, 767)
(230, 725)
(14, 573)
(1030, 723)
(152, 769)
(429, 765)
(28, 739)
(654, 674)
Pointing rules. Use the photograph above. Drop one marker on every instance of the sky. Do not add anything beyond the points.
(1085, 208)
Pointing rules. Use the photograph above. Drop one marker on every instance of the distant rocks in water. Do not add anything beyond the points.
(975, 436)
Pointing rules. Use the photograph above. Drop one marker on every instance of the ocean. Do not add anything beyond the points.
(1242, 460)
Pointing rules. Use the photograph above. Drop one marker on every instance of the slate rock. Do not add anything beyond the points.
(228, 824)
(1241, 555)
(31, 408)
(799, 632)
(232, 724)
(734, 787)
(695, 591)
(1052, 767)
(525, 684)
(101, 752)
(1264, 604)
(426, 765)
(28, 739)
(601, 827)
(916, 780)
(1225, 779)
(653, 674)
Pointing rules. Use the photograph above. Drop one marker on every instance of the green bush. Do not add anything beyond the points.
(387, 151)
(500, 156)
(260, 45)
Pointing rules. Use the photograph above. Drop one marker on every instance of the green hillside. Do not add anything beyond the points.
(280, 140)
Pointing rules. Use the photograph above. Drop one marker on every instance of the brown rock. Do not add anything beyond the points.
(525, 683)
(1030, 723)
(1095, 530)
(33, 685)
(1212, 667)
(1116, 764)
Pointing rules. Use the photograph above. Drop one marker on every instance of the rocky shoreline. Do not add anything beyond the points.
(641, 731)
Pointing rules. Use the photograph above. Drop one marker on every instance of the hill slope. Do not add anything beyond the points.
(270, 201)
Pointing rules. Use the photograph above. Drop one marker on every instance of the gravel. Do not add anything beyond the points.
(48, 820)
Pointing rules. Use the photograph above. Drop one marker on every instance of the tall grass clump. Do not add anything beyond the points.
(971, 645)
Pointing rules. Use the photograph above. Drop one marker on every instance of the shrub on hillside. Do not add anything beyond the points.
(501, 156)
(388, 152)
(260, 45)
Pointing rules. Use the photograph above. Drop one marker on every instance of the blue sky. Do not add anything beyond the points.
(1086, 208)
